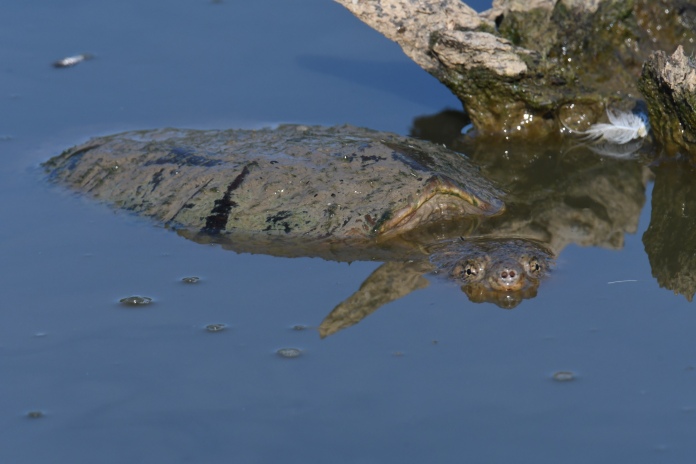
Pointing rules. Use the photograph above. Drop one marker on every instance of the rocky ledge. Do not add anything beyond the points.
(669, 86)
(530, 68)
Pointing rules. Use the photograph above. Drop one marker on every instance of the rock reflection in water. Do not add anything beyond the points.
(555, 196)
(670, 240)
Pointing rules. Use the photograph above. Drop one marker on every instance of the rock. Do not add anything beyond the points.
(669, 86)
(522, 64)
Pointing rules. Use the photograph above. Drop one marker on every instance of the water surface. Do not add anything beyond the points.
(428, 378)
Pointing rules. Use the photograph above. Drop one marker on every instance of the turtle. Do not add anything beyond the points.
(341, 193)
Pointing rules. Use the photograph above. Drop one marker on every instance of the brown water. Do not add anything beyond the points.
(431, 377)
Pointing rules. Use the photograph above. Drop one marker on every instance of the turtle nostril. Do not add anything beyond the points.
(512, 273)
(504, 275)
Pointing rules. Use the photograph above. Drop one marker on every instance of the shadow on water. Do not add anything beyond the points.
(556, 193)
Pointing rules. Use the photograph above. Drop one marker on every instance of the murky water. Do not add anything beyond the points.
(599, 367)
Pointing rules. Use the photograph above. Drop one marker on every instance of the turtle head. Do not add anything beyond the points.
(503, 272)
(442, 199)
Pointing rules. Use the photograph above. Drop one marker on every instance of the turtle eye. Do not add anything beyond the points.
(467, 270)
(534, 266)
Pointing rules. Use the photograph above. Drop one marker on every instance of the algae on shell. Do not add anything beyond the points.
(331, 184)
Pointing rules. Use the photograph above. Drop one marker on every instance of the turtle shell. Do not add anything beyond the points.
(299, 181)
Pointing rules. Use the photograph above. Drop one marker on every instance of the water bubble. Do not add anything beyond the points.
(136, 300)
(563, 376)
(215, 327)
(289, 352)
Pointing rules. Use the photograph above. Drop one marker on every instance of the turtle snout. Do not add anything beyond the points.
(507, 278)
(508, 275)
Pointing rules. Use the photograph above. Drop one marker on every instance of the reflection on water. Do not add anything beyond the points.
(499, 271)
(340, 193)
(428, 378)
(561, 199)
(561, 196)
(670, 240)
(554, 196)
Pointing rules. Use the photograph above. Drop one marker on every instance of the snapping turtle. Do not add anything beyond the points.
(314, 182)
(342, 193)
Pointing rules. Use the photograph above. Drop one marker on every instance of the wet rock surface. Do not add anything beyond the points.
(669, 86)
(517, 66)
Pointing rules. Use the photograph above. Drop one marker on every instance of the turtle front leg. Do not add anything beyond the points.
(389, 282)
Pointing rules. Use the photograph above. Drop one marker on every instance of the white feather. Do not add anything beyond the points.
(622, 128)
(613, 150)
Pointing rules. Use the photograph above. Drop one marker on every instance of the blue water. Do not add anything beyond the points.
(428, 378)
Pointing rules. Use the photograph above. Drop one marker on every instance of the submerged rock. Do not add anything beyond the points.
(136, 301)
(215, 327)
